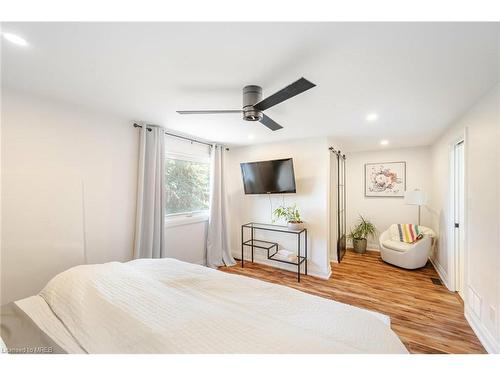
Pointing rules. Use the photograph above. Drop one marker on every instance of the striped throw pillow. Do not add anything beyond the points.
(409, 233)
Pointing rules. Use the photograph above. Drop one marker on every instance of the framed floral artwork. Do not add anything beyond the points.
(385, 179)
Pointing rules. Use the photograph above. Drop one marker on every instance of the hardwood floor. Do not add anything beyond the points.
(427, 317)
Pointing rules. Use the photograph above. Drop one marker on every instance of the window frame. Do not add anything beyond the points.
(179, 218)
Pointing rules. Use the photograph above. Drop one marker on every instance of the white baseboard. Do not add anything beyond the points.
(441, 272)
(487, 340)
(371, 246)
(481, 332)
(325, 277)
(311, 270)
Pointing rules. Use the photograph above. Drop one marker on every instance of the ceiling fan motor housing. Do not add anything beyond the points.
(251, 95)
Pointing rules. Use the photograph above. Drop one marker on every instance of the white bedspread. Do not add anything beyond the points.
(168, 306)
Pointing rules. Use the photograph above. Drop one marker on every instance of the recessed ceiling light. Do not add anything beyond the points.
(384, 142)
(16, 39)
(251, 136)
(371, 117)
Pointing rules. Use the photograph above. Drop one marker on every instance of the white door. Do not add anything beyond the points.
(459, 200)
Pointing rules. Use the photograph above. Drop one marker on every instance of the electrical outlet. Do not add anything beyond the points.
(492, 314)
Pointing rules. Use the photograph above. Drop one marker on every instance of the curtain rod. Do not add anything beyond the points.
(179, 136)
(338, 152)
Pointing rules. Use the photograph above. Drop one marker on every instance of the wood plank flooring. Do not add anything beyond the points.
(427, 317)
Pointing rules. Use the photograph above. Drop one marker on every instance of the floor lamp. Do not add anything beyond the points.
(416, 198)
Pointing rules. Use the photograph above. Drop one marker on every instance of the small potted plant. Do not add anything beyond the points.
(292, 216)
(359, 235)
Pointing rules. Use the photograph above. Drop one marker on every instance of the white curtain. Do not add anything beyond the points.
(150, 215)
(218, 252)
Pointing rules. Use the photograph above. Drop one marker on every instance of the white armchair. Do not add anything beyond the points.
(406, 255)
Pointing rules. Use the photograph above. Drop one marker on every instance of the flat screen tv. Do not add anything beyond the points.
(268, 177)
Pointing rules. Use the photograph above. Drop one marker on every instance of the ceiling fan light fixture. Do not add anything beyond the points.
(252, 115)
(253, 105)
(252, 94)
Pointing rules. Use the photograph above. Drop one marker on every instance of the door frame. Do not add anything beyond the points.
(332, 256)
(453, 256)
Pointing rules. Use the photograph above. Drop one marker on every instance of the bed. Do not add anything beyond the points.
(169, 306)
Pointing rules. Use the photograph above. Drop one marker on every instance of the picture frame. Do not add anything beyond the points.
(386, 180)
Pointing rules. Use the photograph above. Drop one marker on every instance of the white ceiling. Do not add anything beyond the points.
(418, 77)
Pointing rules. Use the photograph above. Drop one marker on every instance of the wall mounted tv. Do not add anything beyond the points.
(268, 177)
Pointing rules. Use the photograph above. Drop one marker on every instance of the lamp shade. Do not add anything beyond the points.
(415, 197)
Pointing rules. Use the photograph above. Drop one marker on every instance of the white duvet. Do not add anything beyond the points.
(168, 306)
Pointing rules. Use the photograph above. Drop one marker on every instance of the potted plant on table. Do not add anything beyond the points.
(359, 235)
(292, 216)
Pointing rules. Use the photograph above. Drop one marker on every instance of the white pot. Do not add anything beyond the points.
(295, 226)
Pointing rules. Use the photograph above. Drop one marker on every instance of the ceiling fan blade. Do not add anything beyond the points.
(209, 112)
(288, 92)
(270, 123)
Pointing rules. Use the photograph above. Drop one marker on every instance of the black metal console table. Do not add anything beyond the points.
(272, 247)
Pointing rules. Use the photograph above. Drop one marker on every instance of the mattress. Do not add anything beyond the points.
(168, 306)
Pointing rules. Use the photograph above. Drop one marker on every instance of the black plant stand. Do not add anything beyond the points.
(272, 247)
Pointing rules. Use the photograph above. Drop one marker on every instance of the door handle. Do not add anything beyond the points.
(457, 225)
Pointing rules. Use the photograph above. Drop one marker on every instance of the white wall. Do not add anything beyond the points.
(311, 164)
(186, 239)
(481, 126)
(386, 211)
(69, 193)
(68, 186)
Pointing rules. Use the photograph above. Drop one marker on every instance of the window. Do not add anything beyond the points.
(187, 184)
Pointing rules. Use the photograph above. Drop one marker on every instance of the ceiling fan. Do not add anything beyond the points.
(254, 105)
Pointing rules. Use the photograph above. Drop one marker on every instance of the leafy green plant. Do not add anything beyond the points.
(363, 229)
(353, 234)
(186, 185)
(291, 214)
